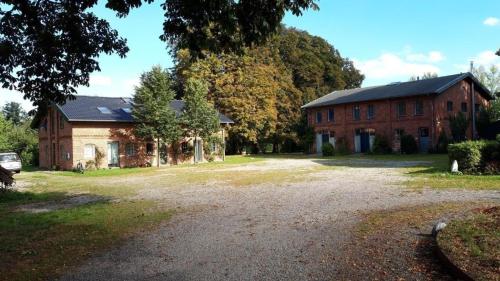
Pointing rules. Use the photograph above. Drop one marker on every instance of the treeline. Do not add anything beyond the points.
(263, 88)
(16, 134)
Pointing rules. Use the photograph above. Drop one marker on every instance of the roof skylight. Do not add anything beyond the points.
(127, 109)
(104, 110)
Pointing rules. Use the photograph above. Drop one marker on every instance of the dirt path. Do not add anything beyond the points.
(266, 232)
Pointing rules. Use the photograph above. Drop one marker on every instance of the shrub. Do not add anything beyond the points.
(458, 125)
(90, 165)
(408, 144)
(443, 141)
(327, 149)
(341, 147)
(476, 156)
(381, 145)
(99, 155)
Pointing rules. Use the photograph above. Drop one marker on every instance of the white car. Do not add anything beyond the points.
(11, 162)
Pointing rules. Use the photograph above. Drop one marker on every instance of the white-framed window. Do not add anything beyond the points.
(130, 149)
(89, 151)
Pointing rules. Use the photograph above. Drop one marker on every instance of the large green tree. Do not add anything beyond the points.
(199, 117)
(152, 111)
(49, 47)
(14, 112)
(489, 77)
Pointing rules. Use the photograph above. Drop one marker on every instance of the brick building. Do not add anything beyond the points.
(419, 108)
(75, 131)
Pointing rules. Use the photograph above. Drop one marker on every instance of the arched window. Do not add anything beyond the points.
(89, 151)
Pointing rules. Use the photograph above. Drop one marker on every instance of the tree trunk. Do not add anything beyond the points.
(158, 153)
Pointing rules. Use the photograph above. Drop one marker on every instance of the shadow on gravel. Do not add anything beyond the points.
(370, 163)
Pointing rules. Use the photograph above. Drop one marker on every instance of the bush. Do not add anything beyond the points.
(327, 149)
(341, 147)
(476, 156)
(458, 125)
(381, 145)
(443, 141)
(90, 165)
(408, 144)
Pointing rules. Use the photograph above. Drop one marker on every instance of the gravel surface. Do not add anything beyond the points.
(265, 232)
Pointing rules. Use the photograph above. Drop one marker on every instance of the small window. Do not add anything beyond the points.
(355, 112)
(213, 147)
(449, 106)
(61, 121)
(399, 132)
(371, 111)
(130, 149)
(402, 109)
(127, 110)
(319, 116)
(463, 107)
(477, 107)
(104, 110)
(331, 115)
(89, 151)
(150, 148)
(419, 107)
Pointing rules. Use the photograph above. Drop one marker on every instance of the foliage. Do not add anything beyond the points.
(443, 141)
(474, 156)
(99, 156)
(426, 75)
(152, 111)
(6, 180)
(61, 41)
(90, 165)
(490, 77)
(263, 87)
(199, 117)
(408, 144)
(381, 145)
(20, 139)
(13, 112)
(327, 149)
(207, 145)
(458, 125)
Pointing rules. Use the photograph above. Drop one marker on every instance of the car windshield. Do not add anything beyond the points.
(8, 157)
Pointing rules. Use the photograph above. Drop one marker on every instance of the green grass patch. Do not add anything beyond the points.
(43, 246)
(473, 243)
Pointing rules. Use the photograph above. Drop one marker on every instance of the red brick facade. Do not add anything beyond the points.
(425, 124)
(63, 144)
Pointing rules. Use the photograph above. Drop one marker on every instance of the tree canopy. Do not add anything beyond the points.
(14, 112)
(50, 47)
(263, 88)
(426, 75)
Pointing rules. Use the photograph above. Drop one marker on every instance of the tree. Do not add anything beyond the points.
(152, 111)
(498, 52)
(426, 75)
(50, 47)
(490, 78)
(199, 117)
(5, 128)
(458, 126)
(13, 112)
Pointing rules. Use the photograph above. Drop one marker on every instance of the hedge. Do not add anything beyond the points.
(327, 149)
(476, 156)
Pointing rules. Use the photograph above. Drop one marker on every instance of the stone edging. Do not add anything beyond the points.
(447, 262)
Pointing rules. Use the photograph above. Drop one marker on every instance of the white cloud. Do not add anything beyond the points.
(130, 84)
(392, 67)
(430, 57)
(491, 21)
(100, 80)
(486, 58)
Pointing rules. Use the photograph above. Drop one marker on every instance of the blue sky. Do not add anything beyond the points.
(388, 40)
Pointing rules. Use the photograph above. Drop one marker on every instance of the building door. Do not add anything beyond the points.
(198, 151)
(113, 154)
(365, 141)
(319, 143)
(423, 134)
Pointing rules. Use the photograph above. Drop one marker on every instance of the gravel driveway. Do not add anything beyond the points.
(286, 231)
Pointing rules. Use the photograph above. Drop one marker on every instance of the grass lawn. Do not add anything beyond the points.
(473, 243)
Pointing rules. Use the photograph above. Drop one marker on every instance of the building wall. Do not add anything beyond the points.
(63, 147)
(386, 118)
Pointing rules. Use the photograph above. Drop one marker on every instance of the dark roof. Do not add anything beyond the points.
(86, 108)
(396, 90)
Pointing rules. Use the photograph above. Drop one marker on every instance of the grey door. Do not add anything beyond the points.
(113, 154)
(423, 135)
(198, 151)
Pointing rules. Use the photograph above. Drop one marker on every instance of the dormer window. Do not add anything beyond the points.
(104, 110)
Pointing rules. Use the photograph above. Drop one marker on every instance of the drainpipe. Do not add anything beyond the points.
(224, 145)
(473, 105)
